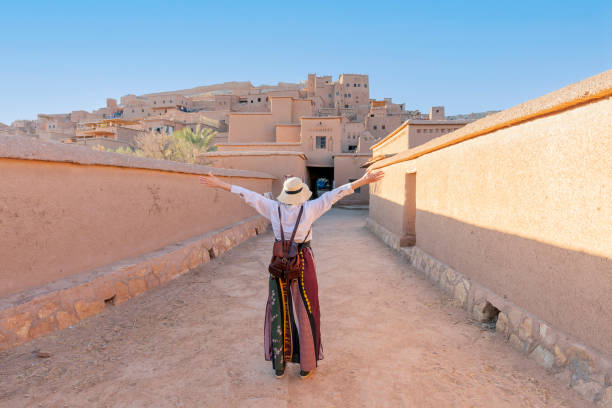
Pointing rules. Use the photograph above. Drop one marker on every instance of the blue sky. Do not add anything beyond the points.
(469, 56)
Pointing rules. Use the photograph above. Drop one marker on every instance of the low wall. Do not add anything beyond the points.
(519, 203)
(67, 210)
(276, 163)
(62, 303)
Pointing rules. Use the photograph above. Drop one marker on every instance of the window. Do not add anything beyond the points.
(321, 142)
(142, 110)
(359, 85)
(371, 115)
(347, 85)
(329, 96)
(349, 95)
(132, 110)
(150, 129)
(251, 101)
(383, 126)
(375, 127)
(266, 99)
(357, 190)
(346, 106)
(258, 99)
(154, 102)
(337, 93)
(164, 102)
(352, 148)
(365, 85)
(170, 100)
(354, 85)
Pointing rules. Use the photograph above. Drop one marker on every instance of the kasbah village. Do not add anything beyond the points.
(476, 273)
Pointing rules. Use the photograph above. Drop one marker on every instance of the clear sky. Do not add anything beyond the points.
(467, 55)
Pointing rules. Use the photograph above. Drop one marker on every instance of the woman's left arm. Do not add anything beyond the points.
(322, 204)
(369, 177)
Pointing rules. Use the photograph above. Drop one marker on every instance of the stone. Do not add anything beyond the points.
(40, 329)
(516, 342)
(152, 281)
(502, 324)
(65, 319)
(515, 316)
(88, 309)
(588, 389)
(18, 324)
(195, 258)
(435, 273)
(548, 337)
(606, 398)
(543, 357)
(526, 329)
(581, 363)
(137, 286)
(47, 310)
(460, 293)
(122, 292)
(560, 359)
(157, 267)
(103, 289)
(450, 275)
(43, 354)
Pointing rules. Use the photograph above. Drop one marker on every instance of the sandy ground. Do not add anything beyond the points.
(390, 340)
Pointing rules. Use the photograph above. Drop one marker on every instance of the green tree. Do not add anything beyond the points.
(185, 145)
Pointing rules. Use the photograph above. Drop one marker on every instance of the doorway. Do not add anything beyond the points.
(321, 180)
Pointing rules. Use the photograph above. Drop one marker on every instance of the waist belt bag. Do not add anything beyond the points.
(286, 263)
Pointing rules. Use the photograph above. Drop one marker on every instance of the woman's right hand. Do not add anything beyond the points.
(211, 181)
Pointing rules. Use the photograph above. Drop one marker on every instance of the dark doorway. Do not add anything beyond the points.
(321, 180)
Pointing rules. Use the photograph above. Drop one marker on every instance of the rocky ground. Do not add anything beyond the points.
(390, 340)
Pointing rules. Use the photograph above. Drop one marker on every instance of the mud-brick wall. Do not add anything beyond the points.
(65, 210)
(525, 211)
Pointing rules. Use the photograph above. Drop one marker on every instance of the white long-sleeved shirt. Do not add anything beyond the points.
(313, 209)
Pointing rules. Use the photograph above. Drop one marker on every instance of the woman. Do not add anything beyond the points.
(292, 323)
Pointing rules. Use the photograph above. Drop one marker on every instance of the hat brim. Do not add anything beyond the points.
(298, 198)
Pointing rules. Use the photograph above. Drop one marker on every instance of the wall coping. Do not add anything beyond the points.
(260, 144)
(352, 155)
(389, 136)
(588, 90)
(20, 148)
(230, 153)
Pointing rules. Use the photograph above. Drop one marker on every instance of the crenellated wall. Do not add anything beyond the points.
(519, 205)
(67, 210)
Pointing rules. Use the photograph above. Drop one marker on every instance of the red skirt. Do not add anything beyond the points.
(293, 320)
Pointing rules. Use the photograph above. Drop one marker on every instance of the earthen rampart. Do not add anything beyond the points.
(68, 210)
(512, 214)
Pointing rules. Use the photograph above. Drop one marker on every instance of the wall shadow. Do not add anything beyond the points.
(567, 288)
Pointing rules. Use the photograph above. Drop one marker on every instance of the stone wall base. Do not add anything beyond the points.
(28, 315)
(585, 370)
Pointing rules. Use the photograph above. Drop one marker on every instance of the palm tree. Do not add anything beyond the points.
(199, 139)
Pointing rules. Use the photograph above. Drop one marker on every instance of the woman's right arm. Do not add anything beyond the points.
(261, 204)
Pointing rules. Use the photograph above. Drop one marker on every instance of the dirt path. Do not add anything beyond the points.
(390, 340)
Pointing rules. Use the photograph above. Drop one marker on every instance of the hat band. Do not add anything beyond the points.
(294, 192)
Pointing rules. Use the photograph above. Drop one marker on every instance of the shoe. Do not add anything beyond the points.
(279, 373)
(306, 374)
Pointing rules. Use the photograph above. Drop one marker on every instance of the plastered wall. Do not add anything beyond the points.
(525, 211)
(60, 219)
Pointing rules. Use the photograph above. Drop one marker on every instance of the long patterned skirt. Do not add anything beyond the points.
(293, 319)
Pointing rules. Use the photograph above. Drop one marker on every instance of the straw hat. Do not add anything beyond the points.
(294, 192)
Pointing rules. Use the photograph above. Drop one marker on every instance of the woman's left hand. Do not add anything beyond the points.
(374, 176)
